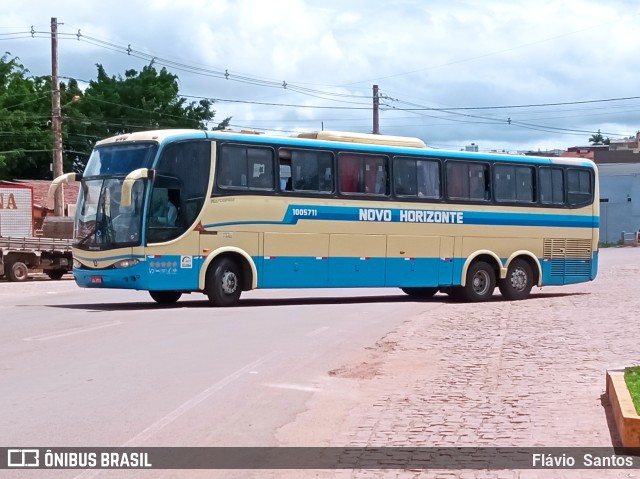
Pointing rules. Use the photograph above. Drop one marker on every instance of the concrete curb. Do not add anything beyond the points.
(624, 412)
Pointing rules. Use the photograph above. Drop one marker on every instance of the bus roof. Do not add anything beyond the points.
(348, 137)
(379, 143)
(153, 135)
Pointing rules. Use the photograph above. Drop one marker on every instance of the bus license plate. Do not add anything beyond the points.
(96, 279)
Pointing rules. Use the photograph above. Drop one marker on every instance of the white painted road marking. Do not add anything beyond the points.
(163, 422)
(315, 332)
(71, 332)
(294, 387)
(194, 401)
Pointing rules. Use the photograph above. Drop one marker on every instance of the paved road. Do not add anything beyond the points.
(525, 373)
(110, 368)
(316, 368)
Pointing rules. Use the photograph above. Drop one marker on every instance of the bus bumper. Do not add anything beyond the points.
(163, 273)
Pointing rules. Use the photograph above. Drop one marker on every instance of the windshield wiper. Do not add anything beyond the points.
(89, 235)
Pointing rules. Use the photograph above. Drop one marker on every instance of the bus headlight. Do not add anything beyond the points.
(126, 263)
(77, 264)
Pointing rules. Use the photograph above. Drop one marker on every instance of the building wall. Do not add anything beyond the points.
(621, 187)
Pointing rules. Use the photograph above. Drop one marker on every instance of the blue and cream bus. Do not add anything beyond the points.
(216, 212)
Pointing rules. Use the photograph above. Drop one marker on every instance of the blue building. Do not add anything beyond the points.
(619, 193)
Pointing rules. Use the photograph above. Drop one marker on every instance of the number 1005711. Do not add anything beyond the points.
(305, 212)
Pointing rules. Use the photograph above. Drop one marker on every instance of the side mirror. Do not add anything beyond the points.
(62, 179)
(131, 178)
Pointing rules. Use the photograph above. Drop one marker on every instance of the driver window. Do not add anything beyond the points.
(179, 189)
(163, 208)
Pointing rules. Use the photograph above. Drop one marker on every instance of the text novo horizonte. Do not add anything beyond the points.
(411, 216)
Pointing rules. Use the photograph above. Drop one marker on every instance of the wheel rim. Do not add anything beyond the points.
(481, 282)
(229, 282)
(518, 279)
(21, 272)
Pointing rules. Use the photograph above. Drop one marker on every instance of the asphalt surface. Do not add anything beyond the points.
(343, 368)
(111, 368)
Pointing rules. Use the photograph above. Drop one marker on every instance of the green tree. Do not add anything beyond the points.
(108, 106)
(597, 138)
(25, 110)
(111, 105)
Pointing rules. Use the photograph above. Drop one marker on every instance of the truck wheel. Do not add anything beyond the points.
(17, 272)
(165, 297)
(56, 274)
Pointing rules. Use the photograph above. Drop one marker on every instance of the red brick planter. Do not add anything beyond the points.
(624, 412)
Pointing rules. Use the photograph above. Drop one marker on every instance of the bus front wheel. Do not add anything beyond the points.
(519, 281)
(481, 281)
(223, 286)
(165, 297)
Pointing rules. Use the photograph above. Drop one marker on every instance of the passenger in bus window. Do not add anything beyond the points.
(164, 212)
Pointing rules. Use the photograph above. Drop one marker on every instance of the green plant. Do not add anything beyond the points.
(632, 378)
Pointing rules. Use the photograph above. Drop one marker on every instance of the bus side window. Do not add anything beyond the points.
(348, 174)
(312, 171)
(579, 190)
(284, 156)
(260, 168)
(456, 180)
(364, 174)
(428, 178)
(468, 181)
(404, 176)
(551, 185)
(245, 167)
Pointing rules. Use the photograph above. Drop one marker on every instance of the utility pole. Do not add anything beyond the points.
(56, 117)
(376, 110)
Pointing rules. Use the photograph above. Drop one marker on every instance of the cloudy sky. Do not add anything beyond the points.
(512, 74)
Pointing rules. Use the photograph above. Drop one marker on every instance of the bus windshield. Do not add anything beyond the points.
(120, 159)
(101, 221)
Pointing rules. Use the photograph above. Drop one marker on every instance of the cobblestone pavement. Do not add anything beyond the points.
(524, 373)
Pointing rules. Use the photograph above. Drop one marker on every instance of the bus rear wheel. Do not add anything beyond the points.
(223, 285)
(165, 297)
(420, 293)
(481, 281)
(519, 281)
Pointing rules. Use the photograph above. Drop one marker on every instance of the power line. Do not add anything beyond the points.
(215, 73)
(226, 100)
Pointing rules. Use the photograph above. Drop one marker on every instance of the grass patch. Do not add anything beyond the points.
(632, 378)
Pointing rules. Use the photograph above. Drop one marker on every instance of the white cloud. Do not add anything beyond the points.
(453, 53)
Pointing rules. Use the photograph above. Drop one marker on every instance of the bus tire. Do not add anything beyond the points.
(420, 293)
(165, 297)
(455, 293)
(519, 281)
(17, 272)
(481, 281)
(224, 283)
(56, 274)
